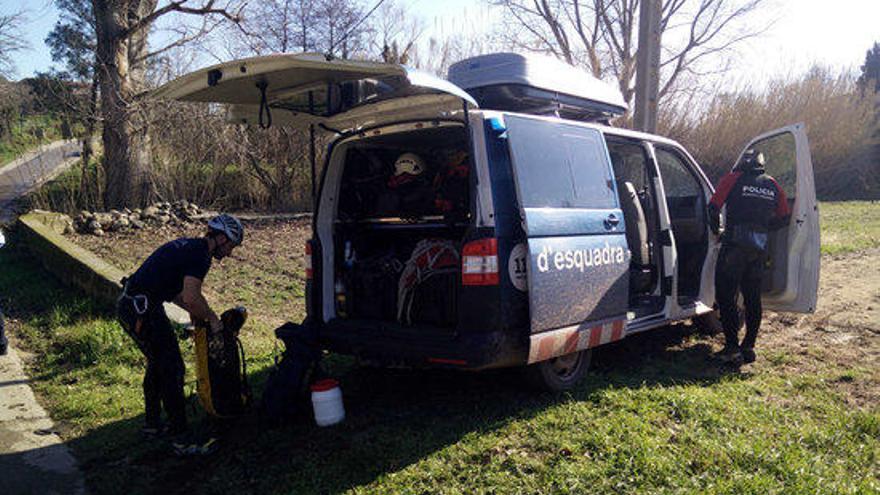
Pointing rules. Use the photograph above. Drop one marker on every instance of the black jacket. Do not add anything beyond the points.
(753, 200)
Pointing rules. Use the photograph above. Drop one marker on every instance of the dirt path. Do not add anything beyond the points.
(844, 332)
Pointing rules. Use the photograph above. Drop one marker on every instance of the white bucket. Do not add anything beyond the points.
(327, 402)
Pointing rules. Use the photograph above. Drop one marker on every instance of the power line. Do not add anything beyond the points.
(350, 31)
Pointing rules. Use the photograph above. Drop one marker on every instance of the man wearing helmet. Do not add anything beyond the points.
(174, 272)
(755, 205)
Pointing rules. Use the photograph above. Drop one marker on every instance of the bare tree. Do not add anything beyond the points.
(453, 39)
(122, 27)
(280, 26)
(395, 33)
(602, 35)
(11, 41)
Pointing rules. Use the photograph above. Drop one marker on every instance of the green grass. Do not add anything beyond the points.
(849, 226)
(655, 417)
(23, 138)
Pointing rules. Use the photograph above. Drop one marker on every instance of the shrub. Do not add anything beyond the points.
(841, 124)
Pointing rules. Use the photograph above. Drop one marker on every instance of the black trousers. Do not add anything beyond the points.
(3, 341)
(739, 269)
(163, 380)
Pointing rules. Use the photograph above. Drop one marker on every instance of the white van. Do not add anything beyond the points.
(527, 231)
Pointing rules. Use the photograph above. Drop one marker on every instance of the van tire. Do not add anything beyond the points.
(560, 373)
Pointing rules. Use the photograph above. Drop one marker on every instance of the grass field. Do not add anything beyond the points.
(849, 226)
(656, 415)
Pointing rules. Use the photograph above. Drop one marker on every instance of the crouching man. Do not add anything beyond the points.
(174, 272)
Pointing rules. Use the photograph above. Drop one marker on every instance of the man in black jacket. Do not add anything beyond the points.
(755, 206)
(174, 272)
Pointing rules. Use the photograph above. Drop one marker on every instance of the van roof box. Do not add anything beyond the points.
(538, 85)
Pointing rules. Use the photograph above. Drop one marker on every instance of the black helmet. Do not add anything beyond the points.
(751, 160)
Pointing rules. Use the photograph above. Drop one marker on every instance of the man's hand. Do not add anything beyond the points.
(194, 302)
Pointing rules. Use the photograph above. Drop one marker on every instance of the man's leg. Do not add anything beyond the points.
(3, 342)
(152, 398)
(128, 319)
(169, 369)
(751, 290)
(727, 276)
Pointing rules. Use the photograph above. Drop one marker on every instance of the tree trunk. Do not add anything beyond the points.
(88, 186)
(126, 144)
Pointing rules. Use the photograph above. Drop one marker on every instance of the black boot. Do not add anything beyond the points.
(730, 355)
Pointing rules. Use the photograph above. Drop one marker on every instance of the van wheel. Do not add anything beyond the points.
(560, 373)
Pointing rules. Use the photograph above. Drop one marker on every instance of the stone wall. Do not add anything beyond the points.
(74, 265)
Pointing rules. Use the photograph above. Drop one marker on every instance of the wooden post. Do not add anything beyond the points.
(648, 66)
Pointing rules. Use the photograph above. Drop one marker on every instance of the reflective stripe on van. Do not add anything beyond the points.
(555, 343)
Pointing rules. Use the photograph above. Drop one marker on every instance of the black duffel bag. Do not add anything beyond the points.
(285, 395)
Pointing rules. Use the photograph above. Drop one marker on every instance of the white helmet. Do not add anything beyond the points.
(409, 163)
(229, 226)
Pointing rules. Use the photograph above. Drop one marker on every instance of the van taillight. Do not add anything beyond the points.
(308, 260)
(479, 262)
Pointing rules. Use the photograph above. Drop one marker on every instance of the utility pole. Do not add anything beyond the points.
(648, 66)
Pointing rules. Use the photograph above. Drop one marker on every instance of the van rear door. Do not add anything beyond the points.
(791, 280)
(307, 88)
(578, 268)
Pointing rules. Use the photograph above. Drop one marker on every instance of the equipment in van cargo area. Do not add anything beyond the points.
(403, 208)
(430, 258)
(537, 85)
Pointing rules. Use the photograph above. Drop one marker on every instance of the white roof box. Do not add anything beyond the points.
(536, 84)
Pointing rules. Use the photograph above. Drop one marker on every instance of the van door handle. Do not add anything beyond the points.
(611, 221)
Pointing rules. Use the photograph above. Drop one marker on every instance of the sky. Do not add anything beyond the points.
(835, 34)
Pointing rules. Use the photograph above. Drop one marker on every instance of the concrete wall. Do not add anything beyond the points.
(74, 265)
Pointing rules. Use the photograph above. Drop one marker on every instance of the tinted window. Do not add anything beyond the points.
(780, 156)
(561, 166)
(630, 163)
(677, 179)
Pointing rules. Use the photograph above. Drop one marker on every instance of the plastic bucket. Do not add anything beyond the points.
(327, 402)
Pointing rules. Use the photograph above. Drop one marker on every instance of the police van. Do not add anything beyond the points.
(496, 219)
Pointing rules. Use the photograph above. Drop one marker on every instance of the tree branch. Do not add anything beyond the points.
(180, 6)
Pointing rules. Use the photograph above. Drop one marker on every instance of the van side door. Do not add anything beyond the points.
(578, 267)
(791, 279)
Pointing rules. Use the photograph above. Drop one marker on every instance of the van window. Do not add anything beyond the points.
(562, 166)
(630, 163)
(780, 154)
(677, 179)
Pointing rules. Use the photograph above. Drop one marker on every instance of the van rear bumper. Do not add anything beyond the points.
(424, 347)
